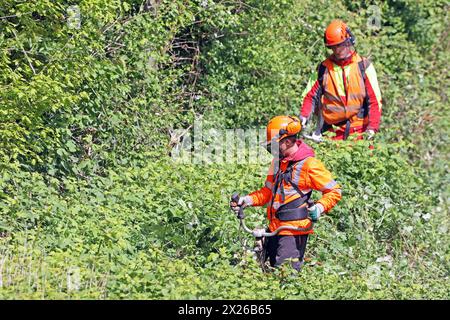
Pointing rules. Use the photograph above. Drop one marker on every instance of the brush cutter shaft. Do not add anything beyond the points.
(257, 233)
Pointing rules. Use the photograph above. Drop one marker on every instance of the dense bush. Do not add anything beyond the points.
(141, 232)
(91, 206)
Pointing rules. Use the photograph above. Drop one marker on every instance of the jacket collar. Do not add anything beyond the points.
(303, 152)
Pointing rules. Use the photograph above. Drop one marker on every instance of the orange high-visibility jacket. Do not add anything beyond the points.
(347, 92)
(308, 174)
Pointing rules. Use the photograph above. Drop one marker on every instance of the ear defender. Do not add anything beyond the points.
(351, 36)
(293, 127)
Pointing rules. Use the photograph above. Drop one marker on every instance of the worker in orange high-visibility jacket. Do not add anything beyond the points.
(344, 89)
(293, 175)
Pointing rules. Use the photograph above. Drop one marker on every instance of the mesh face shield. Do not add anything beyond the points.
(342, 51)
(273, 148)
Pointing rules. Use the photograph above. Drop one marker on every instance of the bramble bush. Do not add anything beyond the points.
(92, 206)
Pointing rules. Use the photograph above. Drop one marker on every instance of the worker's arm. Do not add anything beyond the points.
(374, 98)
(311, 95)
(319, 178)
(262, 196)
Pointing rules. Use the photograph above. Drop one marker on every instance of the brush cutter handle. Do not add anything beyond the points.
(235, 199)
(259, 232)
(315, 138)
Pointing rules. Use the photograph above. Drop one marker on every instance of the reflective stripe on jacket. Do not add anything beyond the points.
(308, 174)
(345, 94)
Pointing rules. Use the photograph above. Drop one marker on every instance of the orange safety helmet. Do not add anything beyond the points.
(281, 127)
(338, 32)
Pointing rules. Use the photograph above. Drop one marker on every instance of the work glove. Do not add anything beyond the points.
(370, 134)
(243, 202)
(315, 211)
(316, 137)
(304, 121)
(258, 232)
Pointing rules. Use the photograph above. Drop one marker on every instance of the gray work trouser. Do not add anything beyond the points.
(280, 248)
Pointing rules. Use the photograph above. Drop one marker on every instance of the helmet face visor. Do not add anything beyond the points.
(273, 148)
(343, 44)
(269, 147)
(342, 51)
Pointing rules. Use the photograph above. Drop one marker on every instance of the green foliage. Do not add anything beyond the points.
(91, 206)
(148, 232)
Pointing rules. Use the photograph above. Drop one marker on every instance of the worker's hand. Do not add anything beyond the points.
(316, 137)
(304, 121)
(243, 202)
(258, 233)
(315, 211)
(370, 134)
